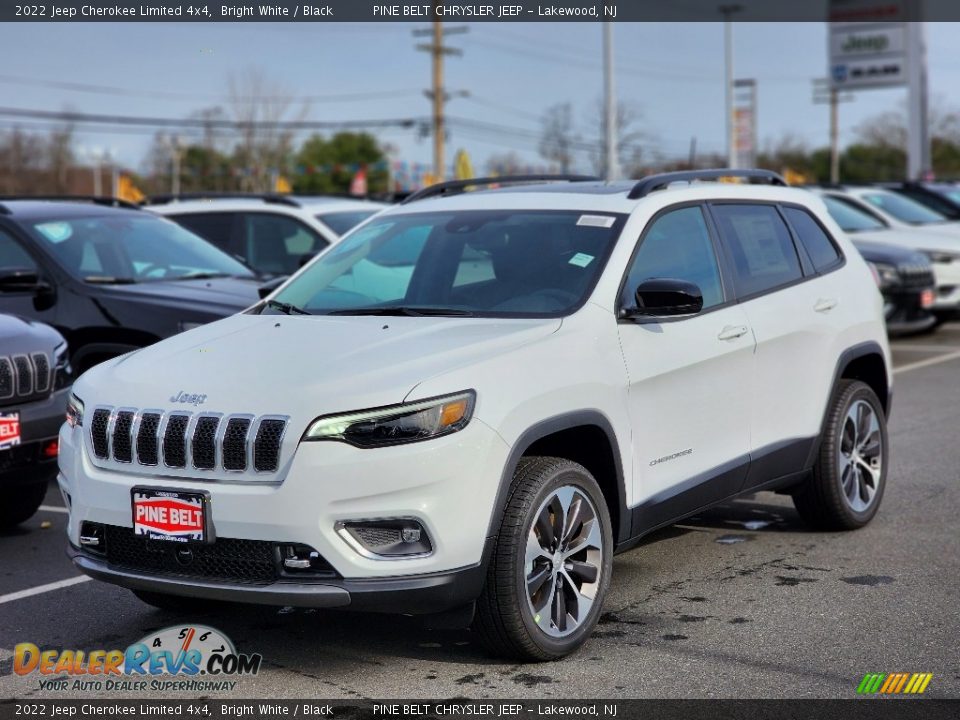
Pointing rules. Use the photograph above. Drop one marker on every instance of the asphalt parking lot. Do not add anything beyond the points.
(740, 602)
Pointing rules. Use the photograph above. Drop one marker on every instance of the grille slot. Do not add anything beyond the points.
(24, 375)
(41, 367)
(235, 444)
(266, 448)
(122, 442)
(175, 441)
(6, 378)
(147, 442)
(98, 433)
(204, 443)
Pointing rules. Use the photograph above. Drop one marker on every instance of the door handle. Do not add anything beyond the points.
(825, 305)
(732, 332)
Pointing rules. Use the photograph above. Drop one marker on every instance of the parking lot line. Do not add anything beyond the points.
(927, 363)
(54, 508)
(40, 589)
(922, 348)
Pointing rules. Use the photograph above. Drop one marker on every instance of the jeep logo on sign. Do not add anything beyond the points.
(865, 44)
(182, 397)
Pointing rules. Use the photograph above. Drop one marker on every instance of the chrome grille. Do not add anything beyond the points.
(180, 440)
(24, 377)
(916, 275)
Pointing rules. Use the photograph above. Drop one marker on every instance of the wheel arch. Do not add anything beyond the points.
(586, 437)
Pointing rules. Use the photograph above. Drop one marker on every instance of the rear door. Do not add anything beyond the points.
(690, 378)
(794, 310)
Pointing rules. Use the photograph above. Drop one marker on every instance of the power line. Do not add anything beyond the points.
(163, 95)
(201, 123)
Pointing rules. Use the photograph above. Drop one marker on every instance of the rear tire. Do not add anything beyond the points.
(849, 476)
(19, 504)
(551, 563)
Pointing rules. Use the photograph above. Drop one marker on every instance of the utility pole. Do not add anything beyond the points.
(918, 132)
(610, 131)
(437, 94)
(727, 11)
(825, 94)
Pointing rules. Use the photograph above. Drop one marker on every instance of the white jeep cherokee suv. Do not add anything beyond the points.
(476, 398)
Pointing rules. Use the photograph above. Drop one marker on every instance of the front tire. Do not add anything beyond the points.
(850, 473)
(19, 504)
(551, 563)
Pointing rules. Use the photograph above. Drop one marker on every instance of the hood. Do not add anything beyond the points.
(218, 295)
(303, 366)
(918, 238)
(22, 336)
(887, 253)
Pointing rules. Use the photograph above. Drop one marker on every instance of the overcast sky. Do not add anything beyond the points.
(672, 75)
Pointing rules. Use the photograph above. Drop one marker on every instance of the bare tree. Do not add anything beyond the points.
(503, 164)
(60, 156)
(22, 158)
(558, 141)
(257, 103)
(631, 140)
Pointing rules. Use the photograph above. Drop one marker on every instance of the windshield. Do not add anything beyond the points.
(128, 248)
(342, 222)
(904, 209)
(489, 263)
(849, 218)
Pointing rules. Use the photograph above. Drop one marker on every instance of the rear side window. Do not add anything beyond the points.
(823, 253)
(13, 256)
(760, 245)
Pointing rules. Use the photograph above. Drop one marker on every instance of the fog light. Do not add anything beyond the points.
(403, 537)
(927, 298)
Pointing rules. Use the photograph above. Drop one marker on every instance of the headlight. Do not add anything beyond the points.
(938, 256)
(62, 372)
(885, 275)
(74, 411)
(397, 424)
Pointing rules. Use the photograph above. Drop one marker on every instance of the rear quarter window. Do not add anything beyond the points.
(822, 250)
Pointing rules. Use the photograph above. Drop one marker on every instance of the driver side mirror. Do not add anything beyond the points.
(17, 279)
(665, 297)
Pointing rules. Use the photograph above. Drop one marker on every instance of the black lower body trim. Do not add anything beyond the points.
(412, 594)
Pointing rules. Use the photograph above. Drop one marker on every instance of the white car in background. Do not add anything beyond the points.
(273, 234)
(856, 213)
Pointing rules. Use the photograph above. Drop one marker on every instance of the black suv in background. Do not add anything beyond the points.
(35, 378)
(943, 197)
(906, 281)
(112, 277)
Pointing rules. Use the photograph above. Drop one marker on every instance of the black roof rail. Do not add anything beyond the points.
(275, 198)
(95, 199)
(454, 187)
(649, 184)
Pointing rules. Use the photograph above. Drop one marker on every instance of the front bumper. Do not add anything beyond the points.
(415, 594)
(40, 422)
(448, 484)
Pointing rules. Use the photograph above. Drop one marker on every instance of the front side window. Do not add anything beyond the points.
(760, 245)
(277, 244)
(823, 253)
(904, 209)
(484, 263)
(13, 256)
(677, 246)
(133, 248)
(344, 221)
(215, 227)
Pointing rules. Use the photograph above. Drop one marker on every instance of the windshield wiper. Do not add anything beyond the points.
(404, 310)
(108, 280)
(287, 308)
(200, 276)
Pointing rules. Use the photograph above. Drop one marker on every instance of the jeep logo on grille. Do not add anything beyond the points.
(188, 399)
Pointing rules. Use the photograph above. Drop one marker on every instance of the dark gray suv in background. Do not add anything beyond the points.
(35, 378)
